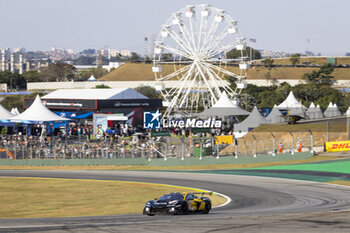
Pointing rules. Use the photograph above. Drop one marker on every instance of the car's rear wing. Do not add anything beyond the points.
(202, 193)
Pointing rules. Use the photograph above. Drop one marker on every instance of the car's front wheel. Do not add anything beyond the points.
(147, 212)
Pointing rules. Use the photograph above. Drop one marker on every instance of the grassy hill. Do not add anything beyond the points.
(312, 60)
(143, 72)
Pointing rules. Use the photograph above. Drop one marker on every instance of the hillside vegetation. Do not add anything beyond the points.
(143, 72)
(312, 60)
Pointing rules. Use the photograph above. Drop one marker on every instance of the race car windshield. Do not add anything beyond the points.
(170, 197)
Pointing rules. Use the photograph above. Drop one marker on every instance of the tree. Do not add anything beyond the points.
(347, 54)
(167, 56)
(247, 101)
(84, 60)
(150, 92)
(16, 101)
(321, 76)
(295, 59)
(269, 78)
(102, 86)
(319, 94)
(88, 52)
(267, 62)
(232, 81)
(58, 72)
(234, 53)
(134, 57)
(13, 80)
(268, 96)
(32, 76)
(96, 72)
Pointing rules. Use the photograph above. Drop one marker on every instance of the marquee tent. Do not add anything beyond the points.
(290, 102)
(332, 110)
(15, 111)
(223, 107)
(297, 112)
(37, 112)
(314, 112)
(4, 113)
(253, 120)
(92, 78)
(348, 112)
(275, 116)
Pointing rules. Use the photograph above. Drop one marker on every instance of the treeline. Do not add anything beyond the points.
(52, 73)
(317, 88)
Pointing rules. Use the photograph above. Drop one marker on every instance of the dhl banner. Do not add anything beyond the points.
(338, 146)
(224, 139)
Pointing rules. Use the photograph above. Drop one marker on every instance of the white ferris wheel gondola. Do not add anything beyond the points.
(194, 41)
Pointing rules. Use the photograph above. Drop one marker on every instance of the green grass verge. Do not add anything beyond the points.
(333, 166)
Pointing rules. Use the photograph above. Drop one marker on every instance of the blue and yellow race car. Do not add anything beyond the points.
(179, 203)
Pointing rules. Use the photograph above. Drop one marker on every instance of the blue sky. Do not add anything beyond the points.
(278, 25)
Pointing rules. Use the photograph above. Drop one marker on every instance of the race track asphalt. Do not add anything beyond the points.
(259, 204)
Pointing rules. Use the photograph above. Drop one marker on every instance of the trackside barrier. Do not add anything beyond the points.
(199, 146)
(277, 143)
(156, 162)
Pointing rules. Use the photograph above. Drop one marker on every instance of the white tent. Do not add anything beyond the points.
(37, 112)
(4, 113)
(223, 107)
(275, 116)
(13, 112)
(297, 112)
(17, 112)
(290, 102)
(348, 112)
(332, 110)
(314, 112)
(318, 112)
(92, 78)
(253, 120)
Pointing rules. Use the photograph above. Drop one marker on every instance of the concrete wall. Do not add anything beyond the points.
(112, 84)
(167, 84)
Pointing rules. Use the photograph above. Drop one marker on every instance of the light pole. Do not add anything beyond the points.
(252, 40)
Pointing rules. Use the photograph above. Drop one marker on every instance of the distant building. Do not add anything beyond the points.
(19, 50)
(268, 53)
(70, 51)
(107, 67)
(111, 65)
(114, 52)
(5, 51)
(125, 53)
(118, 104)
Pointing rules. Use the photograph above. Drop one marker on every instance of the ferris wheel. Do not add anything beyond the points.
(191, 49)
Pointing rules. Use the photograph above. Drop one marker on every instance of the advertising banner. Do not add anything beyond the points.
(224, 139)
(338, 146)
(64, 103)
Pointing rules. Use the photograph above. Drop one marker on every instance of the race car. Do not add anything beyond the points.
(179, 203)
